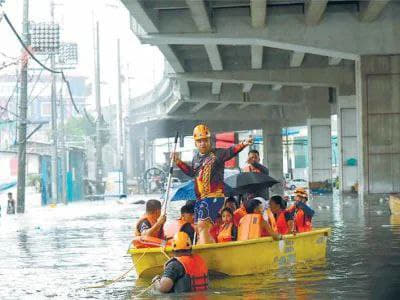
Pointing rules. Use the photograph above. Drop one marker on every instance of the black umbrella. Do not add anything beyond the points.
(249, 182)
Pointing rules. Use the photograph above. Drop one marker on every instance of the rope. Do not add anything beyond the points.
(144, 291)
(118, 278)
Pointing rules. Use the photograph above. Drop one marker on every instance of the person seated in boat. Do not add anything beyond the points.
(230, 202)
(283, 217)
(185, 272)
(302, 212)
(151, 223)
(253, 225)
(185, 223)
(208, 167)
(240, 212)
(227, 231)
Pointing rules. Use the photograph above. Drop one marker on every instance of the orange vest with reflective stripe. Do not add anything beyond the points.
(302, 222)
(225, 233)
(281, 223)
(196, 271)
(151, 220)
(250, 227)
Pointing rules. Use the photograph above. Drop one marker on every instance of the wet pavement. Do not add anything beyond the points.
(55, 253)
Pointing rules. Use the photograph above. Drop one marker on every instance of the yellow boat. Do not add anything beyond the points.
(242, 257)
(394, 204)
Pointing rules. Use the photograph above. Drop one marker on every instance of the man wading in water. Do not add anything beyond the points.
(207, 168)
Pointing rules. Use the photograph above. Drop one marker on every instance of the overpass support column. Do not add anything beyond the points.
(378, 108)
(273, 153)
(347, 142)
(319, 151)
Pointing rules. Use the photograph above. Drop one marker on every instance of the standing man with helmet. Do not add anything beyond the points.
(208, 168)
(185, 272)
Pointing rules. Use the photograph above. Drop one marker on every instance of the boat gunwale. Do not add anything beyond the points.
(326, 231)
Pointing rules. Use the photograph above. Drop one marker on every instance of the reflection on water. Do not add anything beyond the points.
(55, 253)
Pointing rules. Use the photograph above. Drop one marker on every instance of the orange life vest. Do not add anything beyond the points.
(172, 228)
(251, 168)
(250, 227)
(152, 221)
(302, 222)
(238, 214)
(281, 223)
(140, 241)
(271, 221)
(225, 233)
(196, 277)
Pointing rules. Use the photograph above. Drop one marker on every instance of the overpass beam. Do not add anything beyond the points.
(370, 10)
(314, 10)
(324, 77)
(256, 56)
(258, 9)
(198, 106)
(296, 59)
(200, 15)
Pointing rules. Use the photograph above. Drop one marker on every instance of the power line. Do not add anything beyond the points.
(39, 62)
(37, 80)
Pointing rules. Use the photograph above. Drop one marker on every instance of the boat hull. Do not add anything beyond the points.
(242, 257)
(394, 204)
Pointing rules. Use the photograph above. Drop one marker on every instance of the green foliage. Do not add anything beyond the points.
(79, 127)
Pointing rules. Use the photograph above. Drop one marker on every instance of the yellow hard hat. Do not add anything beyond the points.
(201, 132)
(181, 241)
(301, 192)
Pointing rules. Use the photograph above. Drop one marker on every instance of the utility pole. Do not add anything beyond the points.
(120, 134)
(23, 107)
(99, 123)
(54, 171)
(63, 150)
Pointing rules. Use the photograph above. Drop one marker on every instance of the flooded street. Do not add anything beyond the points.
(54, 253)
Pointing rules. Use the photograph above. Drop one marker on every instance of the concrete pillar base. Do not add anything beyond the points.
(319, 153)
(347, 142)
(273, 154)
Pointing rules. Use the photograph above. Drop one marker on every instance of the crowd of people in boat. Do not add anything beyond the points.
(214, 218)
(253, 218)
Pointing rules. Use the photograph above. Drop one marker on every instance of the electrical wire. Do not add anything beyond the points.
(39, 62)
(37, 80)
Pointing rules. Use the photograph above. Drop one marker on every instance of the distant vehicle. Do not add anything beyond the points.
(296, 183)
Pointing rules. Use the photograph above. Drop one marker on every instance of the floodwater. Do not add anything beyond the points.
(56, 253)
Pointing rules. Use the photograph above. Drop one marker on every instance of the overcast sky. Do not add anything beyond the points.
(143, 63)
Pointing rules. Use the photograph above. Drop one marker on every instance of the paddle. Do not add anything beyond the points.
(171, 169)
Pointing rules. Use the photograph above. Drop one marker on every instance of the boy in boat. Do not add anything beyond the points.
(151, 223)
(185, 223)
(283, 217)
(302, 212)
(207, 168)
(253, 225)
(185, 272)
(227, 231)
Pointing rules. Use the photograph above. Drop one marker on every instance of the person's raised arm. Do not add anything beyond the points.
(153, 230)
(227, 154)
(188, 170)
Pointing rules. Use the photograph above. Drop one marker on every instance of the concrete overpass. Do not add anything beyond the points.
(272, 63)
